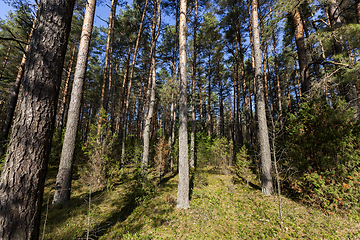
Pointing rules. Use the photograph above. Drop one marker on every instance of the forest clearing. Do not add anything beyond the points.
(180, 119)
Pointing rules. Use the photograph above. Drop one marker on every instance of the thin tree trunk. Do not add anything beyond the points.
(61, 112)
(5, 61)
(152, 84)
(183, 187)
(209, 117)
(63, 178)
(193, 117)
(23, 178)
(108, 52)
(127, 102)
(221, 103)
(173, 77)
(263, 134)
(277, 75)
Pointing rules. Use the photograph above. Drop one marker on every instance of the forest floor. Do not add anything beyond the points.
(222, 206)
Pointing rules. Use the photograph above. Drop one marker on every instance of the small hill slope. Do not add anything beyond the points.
(222, 207)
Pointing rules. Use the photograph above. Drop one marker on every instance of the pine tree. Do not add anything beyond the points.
(23, 177)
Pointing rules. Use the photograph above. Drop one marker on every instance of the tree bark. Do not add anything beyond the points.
(63, 178)
(23, 177)
(183, 187)
(263, 135)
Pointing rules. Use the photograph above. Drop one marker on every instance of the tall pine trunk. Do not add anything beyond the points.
(63, 178)
(151, 88)
(183, 187)
(23, 178)
(263, 134)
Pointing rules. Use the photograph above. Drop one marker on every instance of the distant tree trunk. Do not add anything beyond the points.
(221, 103)
(108, 56)
(193, 117)
(277, 75)
(251, 117)
(5, 61)
(152, 87)
(61, 112)
(14, 97)
(23, 178)
(173, 77)
(209, 116)
(127, 101)
(263, 135)
(63, 179)
(301, 51)
(183, 187)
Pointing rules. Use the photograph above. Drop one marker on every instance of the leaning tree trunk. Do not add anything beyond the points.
(263, 135)
(14, 97)
(63, 178)
(23, 178)
(183, 187)
(152, 85)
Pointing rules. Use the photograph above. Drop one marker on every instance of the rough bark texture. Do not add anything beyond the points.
(63, 178)
(301, 51)
(183, 187)
(263, 135)
(193, 117)
(23, 177)
(152, 84)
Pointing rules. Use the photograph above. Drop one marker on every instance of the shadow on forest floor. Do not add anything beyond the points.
(137, 193)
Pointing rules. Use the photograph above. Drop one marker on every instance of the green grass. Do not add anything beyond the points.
(221, 207)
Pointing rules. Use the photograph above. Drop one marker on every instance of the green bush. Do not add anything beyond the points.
(323, 142)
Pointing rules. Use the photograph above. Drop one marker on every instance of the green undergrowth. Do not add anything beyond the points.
(222, 206)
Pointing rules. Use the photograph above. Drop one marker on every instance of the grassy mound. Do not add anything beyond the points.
(221, 207)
